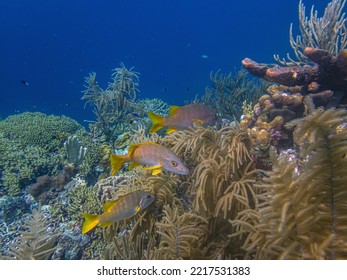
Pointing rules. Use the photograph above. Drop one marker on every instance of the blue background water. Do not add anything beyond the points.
(55, 44)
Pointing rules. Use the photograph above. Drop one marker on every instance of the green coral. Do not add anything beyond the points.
(92, 159)
(21, 166)
(38, 129)
(30, 146)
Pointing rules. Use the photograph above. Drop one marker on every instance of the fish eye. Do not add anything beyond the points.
(174, 163)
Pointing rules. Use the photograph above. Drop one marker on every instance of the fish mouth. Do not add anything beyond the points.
(183, 172)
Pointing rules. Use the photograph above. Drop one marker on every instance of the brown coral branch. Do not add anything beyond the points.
(326, 73)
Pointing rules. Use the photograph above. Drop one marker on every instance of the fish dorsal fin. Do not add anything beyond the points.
(170, 129)
(173, 110)
(108, 205)
(133, 147)
(133, 164)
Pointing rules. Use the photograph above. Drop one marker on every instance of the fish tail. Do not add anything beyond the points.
(91, 221)
(157, 122)
(116, 162)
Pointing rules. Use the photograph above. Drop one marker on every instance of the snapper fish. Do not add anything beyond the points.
(181, 118)
(116, 210)
(158, 158)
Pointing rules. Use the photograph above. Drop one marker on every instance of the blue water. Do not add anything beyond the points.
(55, 44)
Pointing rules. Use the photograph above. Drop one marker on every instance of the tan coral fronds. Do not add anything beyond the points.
(37, 242)
(182, 234)
(124, 248)
(303, 210)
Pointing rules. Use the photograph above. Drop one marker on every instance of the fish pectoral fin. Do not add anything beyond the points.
(108, 205)
(138, 208)
(156, 169)
(198, 121)
(106, 224)
(153, 167)
(171, 129)
(133, 164)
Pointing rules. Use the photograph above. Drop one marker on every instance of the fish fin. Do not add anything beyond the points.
(133, 164)
(198, 121)
(138, 208)
(173, 110)
(133, 147)
(91, 221)
(116, 162)
(157, 122)
(170, 129)
(106, 224)
(156, 171)
(108, 204)
(153, 167)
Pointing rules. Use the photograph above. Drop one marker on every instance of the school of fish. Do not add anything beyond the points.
(151, 156)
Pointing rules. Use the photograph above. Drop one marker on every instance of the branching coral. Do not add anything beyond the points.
(327, 32)
(114, 104)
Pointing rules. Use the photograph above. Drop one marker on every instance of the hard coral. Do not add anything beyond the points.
(326, 73)
(38, 129)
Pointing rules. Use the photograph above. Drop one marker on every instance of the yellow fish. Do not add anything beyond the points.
(181, 118)
(116, 210)
(149, 153)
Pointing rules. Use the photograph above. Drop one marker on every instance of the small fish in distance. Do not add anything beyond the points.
(23, 82)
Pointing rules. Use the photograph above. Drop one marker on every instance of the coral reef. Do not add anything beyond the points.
(301, 213)
(31, 146)
(189, 219)
(322, 60)
(318, 78)
(38, 129)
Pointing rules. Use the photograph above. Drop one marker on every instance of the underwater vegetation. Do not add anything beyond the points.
(229, 91)
(31, 144)
(302, 203)
(268, 182)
